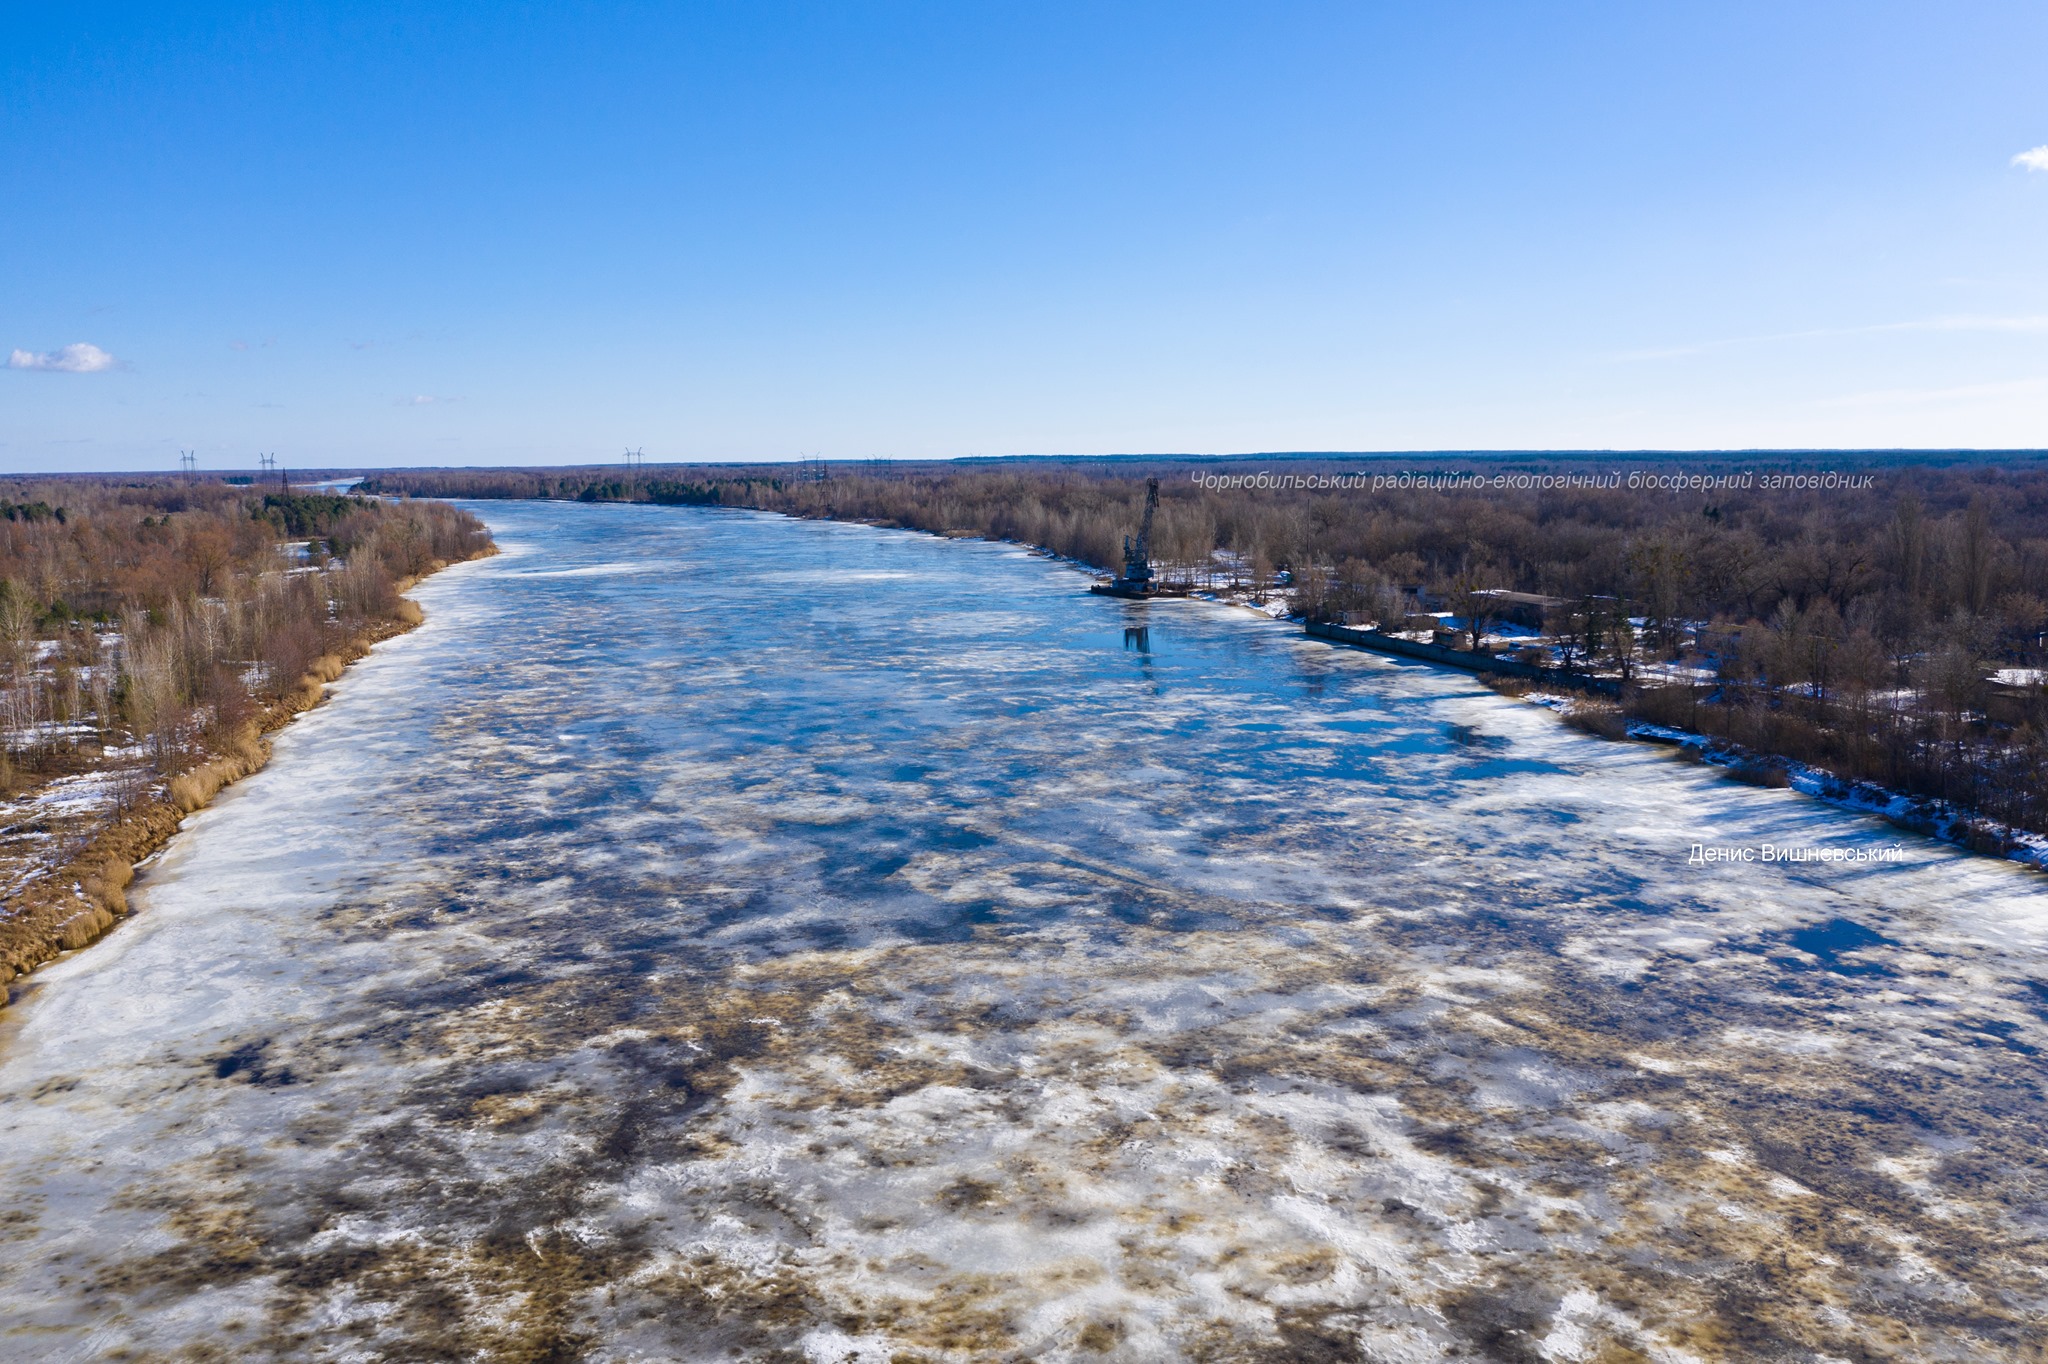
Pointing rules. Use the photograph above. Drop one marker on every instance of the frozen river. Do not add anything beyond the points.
(716, 936)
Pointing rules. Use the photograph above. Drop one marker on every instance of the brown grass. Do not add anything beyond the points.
(1754, 772)
(1606, 721)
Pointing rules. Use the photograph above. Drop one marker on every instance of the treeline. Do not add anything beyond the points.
(162, 615)
(660, 486)
(1853, 623)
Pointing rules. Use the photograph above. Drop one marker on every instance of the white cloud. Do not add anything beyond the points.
(80, 357)
(424, 399)
(2037, 159)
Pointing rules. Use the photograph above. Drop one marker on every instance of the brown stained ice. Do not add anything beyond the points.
(603, 977)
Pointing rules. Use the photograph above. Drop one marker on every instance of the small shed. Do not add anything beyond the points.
(2016, 696)
(1530, 609)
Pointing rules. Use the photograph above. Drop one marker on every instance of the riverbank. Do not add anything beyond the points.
(1489, 665)
(1942, 821)
(70, 904)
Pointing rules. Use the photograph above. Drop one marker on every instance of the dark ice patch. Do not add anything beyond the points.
(1467, 736)
(248, 1062)
(1835, 938)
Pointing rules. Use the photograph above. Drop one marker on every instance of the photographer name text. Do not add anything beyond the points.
(1704, 853)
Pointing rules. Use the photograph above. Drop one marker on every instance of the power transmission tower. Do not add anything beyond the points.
(269, 462)
(188, 464)
(634, 459)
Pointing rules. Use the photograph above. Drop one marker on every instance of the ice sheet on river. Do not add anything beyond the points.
(843, 944)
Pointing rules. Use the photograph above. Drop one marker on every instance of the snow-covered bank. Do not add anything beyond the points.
(1922, 815)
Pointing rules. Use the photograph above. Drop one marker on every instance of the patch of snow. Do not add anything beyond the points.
(2020, 677)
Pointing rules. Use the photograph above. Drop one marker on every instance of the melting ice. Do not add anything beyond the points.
(720, 936)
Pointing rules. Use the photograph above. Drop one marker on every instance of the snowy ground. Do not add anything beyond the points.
(48, 823)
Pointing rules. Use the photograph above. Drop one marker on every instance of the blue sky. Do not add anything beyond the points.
(438, 234)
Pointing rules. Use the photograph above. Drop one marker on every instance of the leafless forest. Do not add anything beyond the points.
(1880, 627)
(163, 614)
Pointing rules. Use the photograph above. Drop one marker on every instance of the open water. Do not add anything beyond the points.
(717, 936)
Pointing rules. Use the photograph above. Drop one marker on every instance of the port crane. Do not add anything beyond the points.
(1137, 554)
(1137, 579)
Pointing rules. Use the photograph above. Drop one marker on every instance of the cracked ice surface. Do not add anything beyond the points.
(719, 936)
